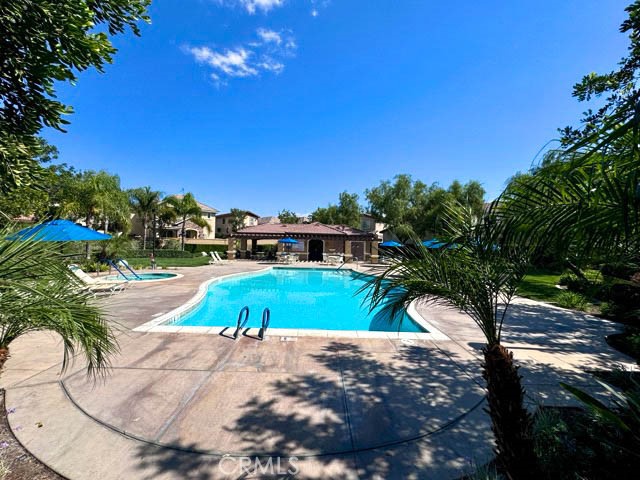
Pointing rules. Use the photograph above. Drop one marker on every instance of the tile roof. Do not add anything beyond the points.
(279, 230)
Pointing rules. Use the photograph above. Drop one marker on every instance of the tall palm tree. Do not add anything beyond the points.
(144, 201)
(38, 292)
(186, 208)
(479, 278)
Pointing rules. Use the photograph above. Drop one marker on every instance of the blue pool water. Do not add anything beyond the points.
(143, 276)
(298, 298)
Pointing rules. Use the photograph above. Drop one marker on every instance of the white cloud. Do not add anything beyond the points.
(252, 6)
(266, 54)
(269, 36)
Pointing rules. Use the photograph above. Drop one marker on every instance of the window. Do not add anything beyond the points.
(223, 221)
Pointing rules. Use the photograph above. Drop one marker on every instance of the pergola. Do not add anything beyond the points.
(315, 240)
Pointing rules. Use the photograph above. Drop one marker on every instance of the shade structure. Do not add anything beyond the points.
(391, 243)
(288, 241)
(59, 231)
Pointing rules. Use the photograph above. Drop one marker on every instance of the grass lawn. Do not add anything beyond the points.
(169, 262)
(540, 286)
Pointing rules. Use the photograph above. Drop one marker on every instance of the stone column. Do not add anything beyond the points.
(231, 248)
(243, 248)
(347, 251)
(374, 251)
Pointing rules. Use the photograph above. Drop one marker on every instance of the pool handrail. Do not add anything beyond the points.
(241, 323)
(266, 319)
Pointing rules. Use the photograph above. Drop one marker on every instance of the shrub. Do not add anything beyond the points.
(572, 300)
(158, 254)
(203, 247)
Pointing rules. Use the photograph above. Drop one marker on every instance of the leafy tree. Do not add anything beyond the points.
(185, 208)
(44, 42)
(144, 201)
(43, 201)
(346, 212)
(287, 216)
(38, 292)
(480, 280)
(620, 111)
(97, 198)
(411, 208)
(236, 219)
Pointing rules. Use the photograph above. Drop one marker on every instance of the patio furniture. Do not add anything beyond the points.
(98, 285)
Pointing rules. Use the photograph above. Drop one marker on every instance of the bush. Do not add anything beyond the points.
(572, 300)
(158, 254)
(200, 247)
(627, 342)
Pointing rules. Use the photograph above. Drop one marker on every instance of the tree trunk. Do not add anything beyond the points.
(4, 356)
(511, 422)
(575, 270)
(144, 234)
(87, 248)
(184, 227)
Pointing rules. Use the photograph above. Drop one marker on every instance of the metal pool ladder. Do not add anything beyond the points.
(266, 318)
(241, 322)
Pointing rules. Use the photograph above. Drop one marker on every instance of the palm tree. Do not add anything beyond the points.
(186, 208)
(479, 278)
(587, 202)
(38, 292)
(144, 201)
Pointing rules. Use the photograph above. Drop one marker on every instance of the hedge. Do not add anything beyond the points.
(203, 247)
(159, 253)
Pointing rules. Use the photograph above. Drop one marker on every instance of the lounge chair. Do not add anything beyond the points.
(98, 285)
(219, 258)
(214, 260)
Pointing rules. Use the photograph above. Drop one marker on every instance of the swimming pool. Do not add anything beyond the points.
(298, 298)
(144, 277)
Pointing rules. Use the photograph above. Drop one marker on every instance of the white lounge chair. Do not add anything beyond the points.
(214, 260)
(98, 285)
(219, 258)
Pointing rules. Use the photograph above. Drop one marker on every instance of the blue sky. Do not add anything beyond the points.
(272, 104)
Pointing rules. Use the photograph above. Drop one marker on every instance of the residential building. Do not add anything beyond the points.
(224, 225)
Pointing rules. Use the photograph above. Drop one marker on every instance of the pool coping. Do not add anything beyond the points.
(159, 323)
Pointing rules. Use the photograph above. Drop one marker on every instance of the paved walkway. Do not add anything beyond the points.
(174, 404)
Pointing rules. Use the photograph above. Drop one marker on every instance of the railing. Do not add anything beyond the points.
(266, 318)
(122, 262)
(241, 322)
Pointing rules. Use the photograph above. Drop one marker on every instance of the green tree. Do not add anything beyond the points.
(619, 113)
(38, 292)
(236, 218)
(144, 202)
(44, 42)
(412, 209)
(97, 198)
(346, 212)
(185, 208)
(480, 280)
(287, 216)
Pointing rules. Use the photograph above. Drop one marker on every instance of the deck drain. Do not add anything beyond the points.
(407, 341)
(288, 339)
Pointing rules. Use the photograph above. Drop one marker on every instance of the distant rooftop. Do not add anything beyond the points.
(203, 206)
(247, 213)
(302, 230)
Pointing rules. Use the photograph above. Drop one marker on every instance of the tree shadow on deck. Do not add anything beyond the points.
(361, 414)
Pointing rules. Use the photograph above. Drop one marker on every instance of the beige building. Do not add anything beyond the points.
(224, 227)
(173, 230)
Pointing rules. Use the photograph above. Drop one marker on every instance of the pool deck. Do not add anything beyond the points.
(190, 405)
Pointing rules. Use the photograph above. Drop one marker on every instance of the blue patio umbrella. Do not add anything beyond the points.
(58, 231)
(391, 243)
(433, 243)
(288, 241)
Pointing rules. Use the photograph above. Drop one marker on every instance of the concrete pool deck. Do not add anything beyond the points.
(187, 405)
